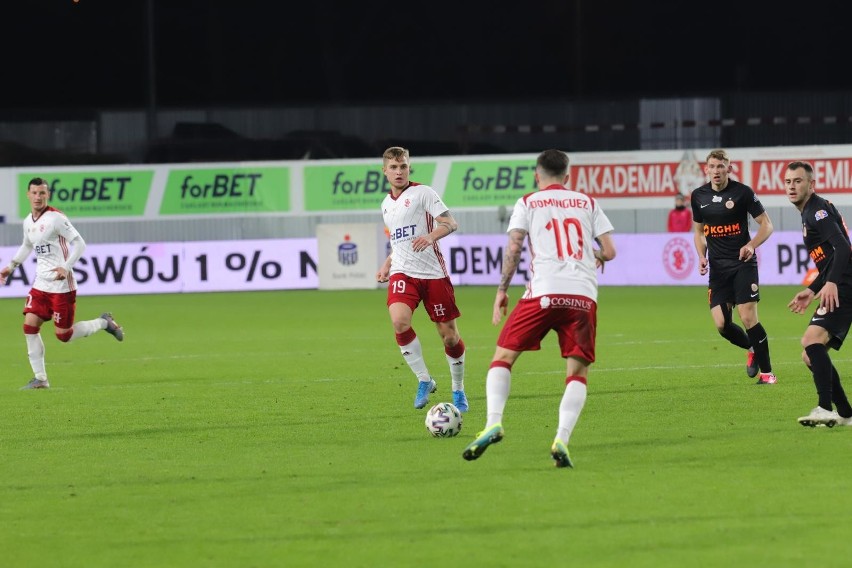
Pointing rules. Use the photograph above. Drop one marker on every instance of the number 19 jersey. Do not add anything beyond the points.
(561, 227)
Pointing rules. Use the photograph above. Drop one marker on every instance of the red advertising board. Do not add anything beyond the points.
(832, 175)
(658, 179)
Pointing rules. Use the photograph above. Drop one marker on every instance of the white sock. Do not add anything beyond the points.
(569, 409)
(413, 355)
(457, 371)
(86, 328)
(35, 351)
(497, 385)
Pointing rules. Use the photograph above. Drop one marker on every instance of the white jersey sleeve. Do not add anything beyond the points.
(406, 217)
(561, 227)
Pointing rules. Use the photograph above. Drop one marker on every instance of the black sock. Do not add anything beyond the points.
(760, 343)
(839, 396)
(735, 334)
(821, 368)
(732, 332)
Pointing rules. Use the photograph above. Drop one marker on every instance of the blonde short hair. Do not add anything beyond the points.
(395, 153)
(718, 155)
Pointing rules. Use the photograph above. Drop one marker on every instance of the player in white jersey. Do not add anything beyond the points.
(58, 246)
(416, 218)
(561, 226)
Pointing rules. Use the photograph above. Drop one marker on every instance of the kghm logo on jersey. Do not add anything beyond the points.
(722, 230)
(817, 254)
(678, 258)
(347, 253)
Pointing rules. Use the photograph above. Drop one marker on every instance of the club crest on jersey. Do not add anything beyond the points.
(729, 204)
(407, 203)
(821, 214)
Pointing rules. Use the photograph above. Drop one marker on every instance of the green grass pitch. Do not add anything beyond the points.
(277, 429)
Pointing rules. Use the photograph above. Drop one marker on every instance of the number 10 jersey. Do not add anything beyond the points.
(561, 227)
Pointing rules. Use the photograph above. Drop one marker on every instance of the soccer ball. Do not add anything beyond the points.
(444, 420)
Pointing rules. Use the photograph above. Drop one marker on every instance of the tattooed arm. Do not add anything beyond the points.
(444, 225)
(511, 260)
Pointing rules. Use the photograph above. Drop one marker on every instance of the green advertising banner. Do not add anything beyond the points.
(226, 190)
(485, 183)
(92, 194)
(357, 186)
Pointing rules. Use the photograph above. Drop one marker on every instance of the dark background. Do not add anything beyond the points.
(95, 53)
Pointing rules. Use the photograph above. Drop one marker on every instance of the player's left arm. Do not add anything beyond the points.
(829, 296)
(445, 224)
(78, 246)
(764, 230)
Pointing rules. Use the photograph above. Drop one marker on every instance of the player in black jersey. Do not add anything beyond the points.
(827, 240)
(720, 212)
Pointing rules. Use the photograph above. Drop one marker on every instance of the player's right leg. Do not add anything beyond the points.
(722, 318)
(815, 342)
(37, 303)
(497, 385)
(35, 353)
(412, 351)
(751, 364)
(559, 453)
(490, 435)
(424, 389)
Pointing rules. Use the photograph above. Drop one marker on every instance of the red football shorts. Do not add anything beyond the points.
(573, 318)
(437, 295)
(58, 307)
